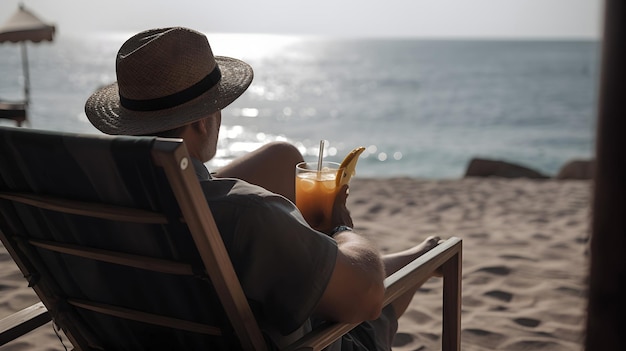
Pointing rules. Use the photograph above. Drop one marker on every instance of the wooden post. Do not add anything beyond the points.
(26, 74)
(606, 317)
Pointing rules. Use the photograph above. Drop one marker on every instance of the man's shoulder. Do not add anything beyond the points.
(234, 190)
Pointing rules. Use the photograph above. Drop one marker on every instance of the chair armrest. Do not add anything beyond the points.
(22, 322)
(417, 271)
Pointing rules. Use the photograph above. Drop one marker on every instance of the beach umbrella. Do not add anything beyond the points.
(21, 28)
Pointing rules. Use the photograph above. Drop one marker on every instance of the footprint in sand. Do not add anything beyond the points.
(417, 316)
(572, 223)
(375, 209)
(481, 235)
(517, 257)
(485, 338)
(498, 270)
(445, 206)
(570, 291)
(541, 236)
(527, 322)
(394, 211)
(500, 295)
(535, 345)
(582, 240)
(401, 340)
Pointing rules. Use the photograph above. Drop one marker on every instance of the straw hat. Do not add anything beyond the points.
(166, 78)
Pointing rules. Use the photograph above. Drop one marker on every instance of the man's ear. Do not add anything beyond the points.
(200, 126)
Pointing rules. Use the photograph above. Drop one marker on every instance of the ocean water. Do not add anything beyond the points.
(423, 108)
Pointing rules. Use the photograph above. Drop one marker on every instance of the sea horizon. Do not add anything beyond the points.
(423, 107)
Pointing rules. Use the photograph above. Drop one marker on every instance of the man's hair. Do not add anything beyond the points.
(170, 133)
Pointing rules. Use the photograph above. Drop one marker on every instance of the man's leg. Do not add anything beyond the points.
(272, 167)
(395, 261)
(379, 334)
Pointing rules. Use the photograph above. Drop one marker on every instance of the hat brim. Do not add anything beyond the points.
(104, 111)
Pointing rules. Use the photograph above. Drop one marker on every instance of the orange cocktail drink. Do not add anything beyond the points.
(316, 191)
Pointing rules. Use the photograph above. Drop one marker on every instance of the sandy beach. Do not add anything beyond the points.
(524, 260)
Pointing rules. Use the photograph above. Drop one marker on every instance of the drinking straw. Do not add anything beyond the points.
(321, 155)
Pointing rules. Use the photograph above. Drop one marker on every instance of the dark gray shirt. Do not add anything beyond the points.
(283, 264)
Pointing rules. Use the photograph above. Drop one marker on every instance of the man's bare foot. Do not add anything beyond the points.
(427, 245)
(395, 261)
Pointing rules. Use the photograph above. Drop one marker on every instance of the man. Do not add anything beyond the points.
(170, 84)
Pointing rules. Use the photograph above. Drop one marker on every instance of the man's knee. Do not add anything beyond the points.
(284, 151)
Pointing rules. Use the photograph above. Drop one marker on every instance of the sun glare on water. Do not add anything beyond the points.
(249, 46)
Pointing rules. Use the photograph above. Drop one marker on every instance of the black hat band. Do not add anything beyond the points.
(175, 99)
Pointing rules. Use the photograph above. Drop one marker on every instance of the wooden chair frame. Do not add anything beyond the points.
(172, 156)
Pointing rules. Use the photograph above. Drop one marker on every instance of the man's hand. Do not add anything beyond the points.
(341, 215)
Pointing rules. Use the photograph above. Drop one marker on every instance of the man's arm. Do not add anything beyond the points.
(356, 288)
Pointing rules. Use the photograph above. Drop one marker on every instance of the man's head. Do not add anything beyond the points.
(166, 78)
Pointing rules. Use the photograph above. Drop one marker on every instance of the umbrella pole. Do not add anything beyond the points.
(26, 75)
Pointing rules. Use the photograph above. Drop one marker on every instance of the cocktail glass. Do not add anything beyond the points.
(316, 191)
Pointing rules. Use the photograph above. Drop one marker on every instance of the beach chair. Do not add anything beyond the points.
(91, 220)
(15, 111)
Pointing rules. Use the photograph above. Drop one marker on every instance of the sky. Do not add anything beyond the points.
(552, 19)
